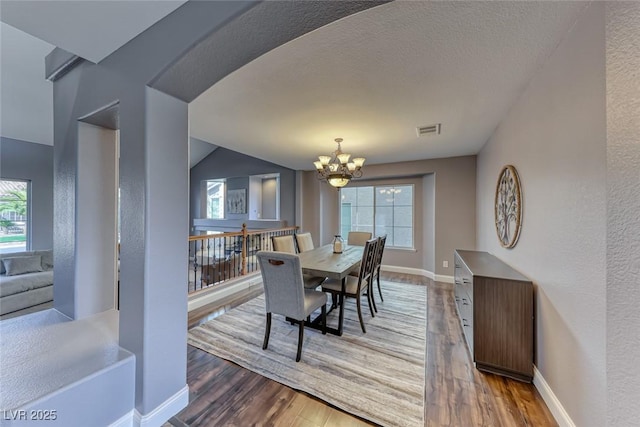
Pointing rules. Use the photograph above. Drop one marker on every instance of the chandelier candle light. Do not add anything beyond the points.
(336, 169)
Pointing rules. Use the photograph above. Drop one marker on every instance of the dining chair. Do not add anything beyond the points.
(285, 294)
(356, 287)
(287, 244)
(375, 274)
(358, 238)
(305, 242)
(284, 244)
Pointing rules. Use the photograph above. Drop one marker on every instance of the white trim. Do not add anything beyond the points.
(418, 272)
(444, 278)
(222, 291)
(125, 421)
(557, 410)
(164, 411)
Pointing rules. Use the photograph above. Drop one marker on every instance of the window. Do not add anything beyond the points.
(384, 209)
(14, 216)
(215, 199)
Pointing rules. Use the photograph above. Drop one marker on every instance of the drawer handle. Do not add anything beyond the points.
(464, 323)
(465, 281)
(458, 283)
(464, 301)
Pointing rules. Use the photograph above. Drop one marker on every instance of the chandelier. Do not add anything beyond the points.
(336, 169)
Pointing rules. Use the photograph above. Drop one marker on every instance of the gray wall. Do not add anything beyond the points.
(623, 219)
(33, 162)
(444, 211)
(428, 221)
(224, 163)
(97, 187)
(555, 137)
(269, 198)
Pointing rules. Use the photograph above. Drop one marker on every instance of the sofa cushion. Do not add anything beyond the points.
(23, 264)
(11, 255)
(10, 285)
(47, 259)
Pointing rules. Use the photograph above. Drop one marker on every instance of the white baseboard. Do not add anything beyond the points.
(557, 410)
(418, 272)
(125, 421)
(216, 293)
(162, 413)
(444, 278)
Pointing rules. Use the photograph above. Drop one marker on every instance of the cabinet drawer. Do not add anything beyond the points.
(466, 319)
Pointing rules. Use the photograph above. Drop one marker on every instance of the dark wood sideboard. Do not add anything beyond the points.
(495, 306)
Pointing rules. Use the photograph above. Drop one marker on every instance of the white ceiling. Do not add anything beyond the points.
(90, 29)
(371, 78)
(26, 98)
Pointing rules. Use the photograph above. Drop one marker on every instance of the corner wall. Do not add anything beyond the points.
(623, 212)
(33, 162)
(555, 137)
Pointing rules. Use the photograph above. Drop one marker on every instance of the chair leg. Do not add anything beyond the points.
(300, 339)
(379, 288)
(364, 330)
(267, 331)
(371, 301)
(324, 319)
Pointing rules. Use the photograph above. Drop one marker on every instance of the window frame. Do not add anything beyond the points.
(28, 215)
(223, 192)
(375, 187)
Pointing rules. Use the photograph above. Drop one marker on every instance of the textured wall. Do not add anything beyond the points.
(34, 162)
(555, 137)
(623, 216)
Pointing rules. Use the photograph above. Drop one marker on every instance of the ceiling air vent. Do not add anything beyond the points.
(428, 130)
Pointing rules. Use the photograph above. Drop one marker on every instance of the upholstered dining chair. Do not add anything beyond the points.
(356, 287)
(284, 244)
(285, 294)
(358, 238)
(287, 244)
(305, 242)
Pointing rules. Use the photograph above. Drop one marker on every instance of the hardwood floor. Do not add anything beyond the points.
(456, 394)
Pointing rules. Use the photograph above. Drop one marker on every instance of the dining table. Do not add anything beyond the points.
(323, 262)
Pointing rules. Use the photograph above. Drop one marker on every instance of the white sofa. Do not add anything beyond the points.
(25, 289)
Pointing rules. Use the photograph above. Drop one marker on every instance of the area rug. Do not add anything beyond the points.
(378, 376)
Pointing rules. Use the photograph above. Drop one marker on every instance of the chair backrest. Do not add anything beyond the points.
(358, 238)
(381, 242)
(305, 242)
(284, 244)
(367, 264)
(282, 282)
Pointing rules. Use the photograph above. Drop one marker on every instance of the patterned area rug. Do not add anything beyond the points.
(378, 376)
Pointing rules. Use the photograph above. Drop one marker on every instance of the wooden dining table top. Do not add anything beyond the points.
(322, 261)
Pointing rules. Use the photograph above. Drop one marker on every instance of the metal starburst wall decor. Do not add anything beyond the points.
(508, 207)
